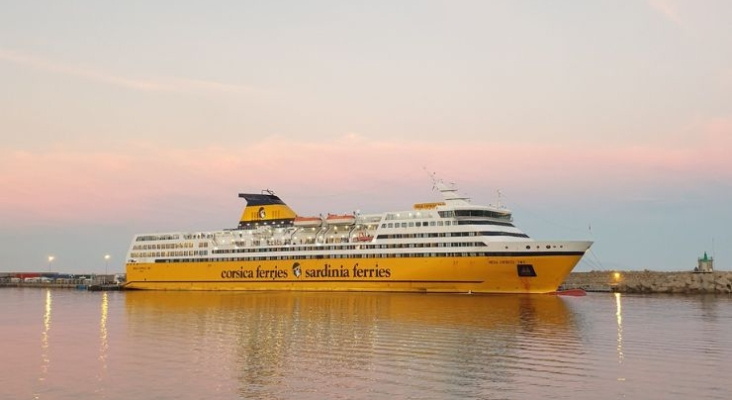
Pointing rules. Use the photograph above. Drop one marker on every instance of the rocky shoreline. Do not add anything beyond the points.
(650, 282)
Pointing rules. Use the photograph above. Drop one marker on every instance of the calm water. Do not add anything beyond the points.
(66, 344)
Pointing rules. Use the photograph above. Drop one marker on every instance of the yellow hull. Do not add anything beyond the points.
(413, 274)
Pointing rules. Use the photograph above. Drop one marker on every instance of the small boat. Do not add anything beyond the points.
(308, 222)
(342, 219)
(363, 236)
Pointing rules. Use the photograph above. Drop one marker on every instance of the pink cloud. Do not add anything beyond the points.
(158, 84)
(666, 8)
(135, 179)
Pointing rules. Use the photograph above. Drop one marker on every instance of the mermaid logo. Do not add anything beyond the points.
(261, 213)
(296, 269)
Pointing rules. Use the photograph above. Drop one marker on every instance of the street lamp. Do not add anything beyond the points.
(106, 267)
(50, 258)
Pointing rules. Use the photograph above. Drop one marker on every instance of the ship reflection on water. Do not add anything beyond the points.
(365, 342)
(223, 345)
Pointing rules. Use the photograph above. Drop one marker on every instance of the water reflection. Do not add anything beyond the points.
(708, 304)
(709, 324)
(165, 345)
(103, 340)
(45, 358)
(619, 316)
(263, 340)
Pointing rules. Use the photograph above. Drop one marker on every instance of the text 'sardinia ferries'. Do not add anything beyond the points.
(446, 246)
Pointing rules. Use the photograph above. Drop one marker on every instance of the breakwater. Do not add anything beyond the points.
(650, 281)
(55, 285)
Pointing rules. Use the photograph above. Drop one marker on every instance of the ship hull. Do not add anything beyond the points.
(438, 274)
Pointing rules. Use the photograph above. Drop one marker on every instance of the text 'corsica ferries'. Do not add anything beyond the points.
(446, 246)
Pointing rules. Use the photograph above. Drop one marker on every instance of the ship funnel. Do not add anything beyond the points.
(265, 209)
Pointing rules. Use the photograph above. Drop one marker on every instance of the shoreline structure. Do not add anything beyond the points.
(682, 282)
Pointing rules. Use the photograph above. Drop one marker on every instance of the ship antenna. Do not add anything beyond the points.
(433, 177)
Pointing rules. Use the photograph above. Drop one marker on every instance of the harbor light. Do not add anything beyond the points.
(106, 265)
(50, 259)
(616, 276)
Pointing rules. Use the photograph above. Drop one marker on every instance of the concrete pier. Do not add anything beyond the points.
(650, 282)
(65, 285)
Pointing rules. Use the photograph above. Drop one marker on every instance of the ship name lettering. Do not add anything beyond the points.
(273, 274)
(371, 272)
(328, 271)
(237, 274)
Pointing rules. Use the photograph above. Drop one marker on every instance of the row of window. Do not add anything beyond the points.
(412, 224)
(172, 253)
(350, 248)
(149, 238)
(329, 257)
(473, 222)
(476, 213)
(188, 236)
(444, 223)
(393, 216)
(417, 224)
(168, 246)
(320, 249)
(450, 234)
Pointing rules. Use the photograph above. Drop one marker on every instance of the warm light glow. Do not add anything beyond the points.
(104, 345)
(50, 258)
(616, 276)
(45, 358)
(619, 316)
(106, 257)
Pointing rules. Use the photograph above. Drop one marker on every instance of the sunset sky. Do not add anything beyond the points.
(607, 120)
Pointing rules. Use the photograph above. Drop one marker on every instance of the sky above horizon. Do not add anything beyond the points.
(601, 120)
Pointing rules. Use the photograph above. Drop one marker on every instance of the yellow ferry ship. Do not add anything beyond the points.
(450, 246)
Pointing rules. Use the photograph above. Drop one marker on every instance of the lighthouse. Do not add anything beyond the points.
(705, 264)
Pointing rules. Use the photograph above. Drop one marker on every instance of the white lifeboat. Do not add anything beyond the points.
(340, 219)
(308, 222)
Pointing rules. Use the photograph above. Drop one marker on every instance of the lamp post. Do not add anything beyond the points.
(106, 267)
(50, 258)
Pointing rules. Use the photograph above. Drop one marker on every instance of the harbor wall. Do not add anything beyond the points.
(650, 281)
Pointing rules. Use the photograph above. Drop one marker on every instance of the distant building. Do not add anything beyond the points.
(705, 264)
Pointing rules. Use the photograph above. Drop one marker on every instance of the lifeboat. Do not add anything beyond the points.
(308, 222)
(363, 236)
(344, 219)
